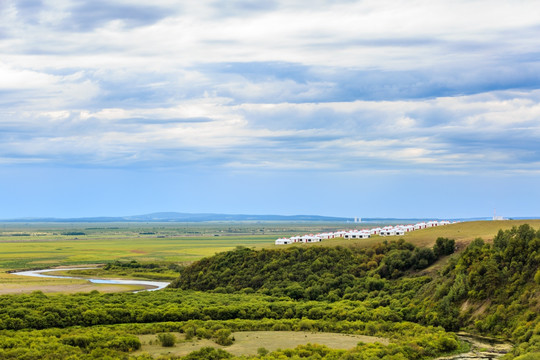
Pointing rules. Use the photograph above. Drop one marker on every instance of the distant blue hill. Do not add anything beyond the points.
(189, 217)
(209, 217)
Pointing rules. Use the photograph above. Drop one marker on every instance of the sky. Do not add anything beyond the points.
(373, 108)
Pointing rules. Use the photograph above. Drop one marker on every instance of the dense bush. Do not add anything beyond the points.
(444, 246)
(498, 284)
(312, 273)
(166, 339)
(208, 353)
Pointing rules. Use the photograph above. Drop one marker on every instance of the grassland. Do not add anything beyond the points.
(463, 233)
(46, 245)
(54, 231)
(247, 342)
(31, 246)
(37, 252)
(13, 284)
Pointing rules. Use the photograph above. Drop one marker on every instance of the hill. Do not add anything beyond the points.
(465, 232)
(489, 288)
(316, 273)
(462, 232)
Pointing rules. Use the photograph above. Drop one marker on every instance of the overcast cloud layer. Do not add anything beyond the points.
(415, 91)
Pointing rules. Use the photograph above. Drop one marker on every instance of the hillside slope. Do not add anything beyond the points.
(316, 273)
(489, 288)
(465, 232)
(493, 289)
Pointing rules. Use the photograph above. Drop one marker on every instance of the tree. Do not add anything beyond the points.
(444, 246)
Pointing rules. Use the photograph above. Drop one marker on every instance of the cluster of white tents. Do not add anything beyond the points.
(361, 234)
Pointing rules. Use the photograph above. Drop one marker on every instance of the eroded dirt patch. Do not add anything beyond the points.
(138, 251)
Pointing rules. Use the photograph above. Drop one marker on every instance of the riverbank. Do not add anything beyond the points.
(482, 348)
(49, 281)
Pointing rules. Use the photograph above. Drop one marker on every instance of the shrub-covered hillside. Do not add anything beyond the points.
(490, 288)
(494, 289)
(314, 273)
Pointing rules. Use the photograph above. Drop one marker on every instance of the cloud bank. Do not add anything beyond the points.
(342, 87)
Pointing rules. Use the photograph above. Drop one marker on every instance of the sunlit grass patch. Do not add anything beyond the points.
(248, 342)
(19, 284)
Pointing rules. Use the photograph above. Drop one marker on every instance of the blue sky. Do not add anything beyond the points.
(341, 108)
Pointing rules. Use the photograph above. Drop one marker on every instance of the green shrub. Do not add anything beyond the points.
(166, 339)
(125, 343)
(223, 337)
(208, 353)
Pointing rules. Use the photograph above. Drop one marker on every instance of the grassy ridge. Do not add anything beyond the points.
(463, 233)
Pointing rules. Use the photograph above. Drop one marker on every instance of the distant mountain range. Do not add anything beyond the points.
(188, 217)
(207, 217)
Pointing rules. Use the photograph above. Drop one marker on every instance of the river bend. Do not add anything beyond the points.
(154, 285)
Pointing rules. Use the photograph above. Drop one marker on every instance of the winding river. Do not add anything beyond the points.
(153, 285)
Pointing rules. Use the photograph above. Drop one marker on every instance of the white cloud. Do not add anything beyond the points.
(18, 79)
(353, 34)
(470, 134)
(385, 84)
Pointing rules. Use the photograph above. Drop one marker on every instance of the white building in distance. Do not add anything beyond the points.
(398, 230)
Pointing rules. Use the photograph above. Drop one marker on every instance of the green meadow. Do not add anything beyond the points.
(47, 246)
(247, 342)
(39, 253)
(38, 246)
(29, 246)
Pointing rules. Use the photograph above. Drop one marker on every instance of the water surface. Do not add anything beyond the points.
(154, 285)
